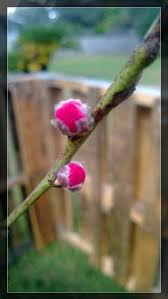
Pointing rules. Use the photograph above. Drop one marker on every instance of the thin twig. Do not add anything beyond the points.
(123, 86)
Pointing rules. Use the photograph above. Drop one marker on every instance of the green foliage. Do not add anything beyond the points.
(36, 45)
(14, 59)
(102, 20)
(118, 18)
(143, 18)
(97, 19)
(30, 57)
(111, 19)
(59, 268)
(45, 34)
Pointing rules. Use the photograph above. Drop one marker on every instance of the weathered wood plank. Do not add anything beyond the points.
(85, 220)
(61, 199)
(85, 196)
(145, 261)
(122, 148)
(90, 154)
(19, 231)
(147, 195)
(29, 106)
(106, 189)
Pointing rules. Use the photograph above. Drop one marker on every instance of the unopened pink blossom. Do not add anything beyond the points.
(71, 176)
(72, 117)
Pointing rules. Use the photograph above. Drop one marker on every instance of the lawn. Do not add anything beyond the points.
(59, 268)
(101, 67)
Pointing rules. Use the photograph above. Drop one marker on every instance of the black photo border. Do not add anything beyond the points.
(164, 121)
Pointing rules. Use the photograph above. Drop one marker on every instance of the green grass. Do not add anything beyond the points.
(101, 67)
(59, 268)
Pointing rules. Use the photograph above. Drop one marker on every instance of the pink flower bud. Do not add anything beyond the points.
(72, 117)
(71, 176)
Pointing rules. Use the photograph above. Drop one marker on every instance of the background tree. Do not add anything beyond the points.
(35, 45)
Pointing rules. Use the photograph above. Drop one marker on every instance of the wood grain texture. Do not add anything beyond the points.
(29, 100)
(146, 239)
(122, 149)
(61, 199)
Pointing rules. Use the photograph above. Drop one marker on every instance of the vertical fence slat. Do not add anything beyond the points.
(28, 100)
(85, 220)
(122, 159)
(90, 153)
(19, 231)
(85, 196)
(106, 190)
(61, 199)
(147, 194)
(94, 147)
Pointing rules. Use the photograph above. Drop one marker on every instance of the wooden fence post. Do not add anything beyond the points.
(145, 212)
(94, 162)
(19, 231)
(84, 196)
(61, 199)
(121, 169)
(29, 101)
(90, 196)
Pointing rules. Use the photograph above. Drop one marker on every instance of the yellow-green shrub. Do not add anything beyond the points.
(35, 46)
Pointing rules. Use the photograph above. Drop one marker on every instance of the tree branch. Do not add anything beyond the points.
(123, 86)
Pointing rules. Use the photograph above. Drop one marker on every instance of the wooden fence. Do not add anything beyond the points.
(118, 209)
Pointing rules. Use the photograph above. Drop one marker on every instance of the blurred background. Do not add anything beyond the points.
(105, 238)
(67, 40)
